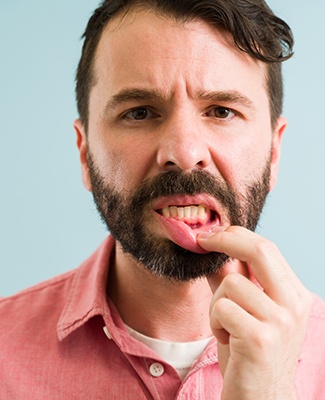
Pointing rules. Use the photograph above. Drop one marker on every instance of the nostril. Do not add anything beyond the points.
(170, 164)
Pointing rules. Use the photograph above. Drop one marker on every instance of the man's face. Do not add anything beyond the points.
(179, 140)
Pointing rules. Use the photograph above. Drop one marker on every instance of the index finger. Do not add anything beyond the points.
(264, 259)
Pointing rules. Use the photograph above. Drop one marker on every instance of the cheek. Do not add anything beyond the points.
(124, 167)
(114, 169)
(243, 162)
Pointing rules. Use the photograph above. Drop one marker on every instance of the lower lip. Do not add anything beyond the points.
(182, 234)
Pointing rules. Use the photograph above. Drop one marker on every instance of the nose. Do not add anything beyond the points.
(183, 145)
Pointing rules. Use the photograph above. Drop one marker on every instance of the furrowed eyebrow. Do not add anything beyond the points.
(227, 97)
(147, 95)
(126, 95)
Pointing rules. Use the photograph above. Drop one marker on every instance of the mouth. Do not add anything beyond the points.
(181, 219)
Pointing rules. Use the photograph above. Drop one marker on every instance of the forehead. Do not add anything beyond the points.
(143, 48)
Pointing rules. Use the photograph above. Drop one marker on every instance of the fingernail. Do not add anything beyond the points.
(219, 229)
(205, 235)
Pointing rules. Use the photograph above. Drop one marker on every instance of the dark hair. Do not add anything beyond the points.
(256, 30)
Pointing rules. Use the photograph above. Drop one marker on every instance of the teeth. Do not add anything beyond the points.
(201, 211)
(180, 212)
(194, 211)
(185, 212)
(166, 212)
(173, 211)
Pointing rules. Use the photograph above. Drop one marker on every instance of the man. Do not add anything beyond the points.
(179, 134)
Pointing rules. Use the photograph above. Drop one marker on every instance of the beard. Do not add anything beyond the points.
(127, 217)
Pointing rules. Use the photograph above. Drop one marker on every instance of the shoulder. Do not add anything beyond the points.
(31, 317)
(72, 294)
(43, 297)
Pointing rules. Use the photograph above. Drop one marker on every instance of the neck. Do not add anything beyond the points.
(157, 307)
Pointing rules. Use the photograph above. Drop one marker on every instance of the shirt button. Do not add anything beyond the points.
(156, 369)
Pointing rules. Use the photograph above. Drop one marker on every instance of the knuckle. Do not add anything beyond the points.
(220, 306)
(263, 341)
(264, 247)
(284, 321)
(233, 280)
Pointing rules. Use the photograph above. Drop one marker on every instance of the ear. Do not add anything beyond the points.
(276, 149)
(82, 144)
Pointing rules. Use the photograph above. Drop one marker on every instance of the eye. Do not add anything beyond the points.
(221, 112)
(139, 114)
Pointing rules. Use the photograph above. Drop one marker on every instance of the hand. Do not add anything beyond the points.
(260, 327)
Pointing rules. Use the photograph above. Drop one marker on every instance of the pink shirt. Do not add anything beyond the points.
(53, 346)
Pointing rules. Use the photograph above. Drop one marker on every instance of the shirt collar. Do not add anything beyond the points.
(87, 292)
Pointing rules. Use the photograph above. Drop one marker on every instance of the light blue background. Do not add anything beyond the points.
(48, 223)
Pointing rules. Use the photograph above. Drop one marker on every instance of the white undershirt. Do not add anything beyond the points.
(180, 355)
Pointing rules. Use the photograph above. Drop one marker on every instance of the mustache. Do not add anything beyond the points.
(173, 183)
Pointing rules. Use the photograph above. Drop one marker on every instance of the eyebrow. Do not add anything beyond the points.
(126, 95)
(135, 94)
(227, 96)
